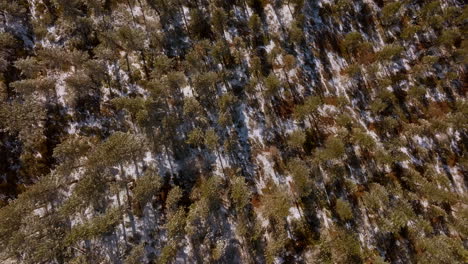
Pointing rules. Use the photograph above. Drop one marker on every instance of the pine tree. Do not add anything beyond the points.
(95, 227)
(205, 85)
(69, 153)
(272, 85)
(146, 187)
(389, 11)
(195, 137)
(219, 20)
(173, 198)
(333, 149)
(297, 139)
(136, 255)
(351, 42)
(343, 209)
(309, 110)
(363, 139)
(341, 246)
(239, 193)
(275, 204)
(119, 148)
(300, 173)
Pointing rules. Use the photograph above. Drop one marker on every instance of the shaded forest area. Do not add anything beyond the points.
(233, 131)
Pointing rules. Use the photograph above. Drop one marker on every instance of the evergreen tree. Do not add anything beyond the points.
(300, 173)
(343, 209)
(297, 139)
(239, 193)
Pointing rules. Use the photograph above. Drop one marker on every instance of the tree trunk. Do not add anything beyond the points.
(129, 202)
(124, 232)
(221, 162)
(183, 16)
(131, 12)
(170, 163)
(136, 168)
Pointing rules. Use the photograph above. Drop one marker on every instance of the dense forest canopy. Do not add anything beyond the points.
(233, 131)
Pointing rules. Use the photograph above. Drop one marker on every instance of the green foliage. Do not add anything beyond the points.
(386, 131)
(297, 139)
(256, 66)
(239, 193)
(220, 51)
(353, 71)
(219, 250)
(208, 190)
(211, 139)
(130, 38)
(390, 52)
(275, 246)
(93, 228)
(333, 149)
(416, 92)
(309, 108)
(204, 83)
(449, 37)
(344, 210)
(255, 25)
(390, 12)
(25, 118)
(89, 191)
(352, 42)
(168, 253)
(341, 6)
(80, 85)
(218, 20)
(162, 65)
(376, 198)
(409, 31)
(196, 137)
(176, 223)
(440, 249)
(300, 174)
(340, 246)
(207, 201)
(30, 67)
(192, 107)
(296, 33)
(226, 101)
(175, 80)
(60, 58)
(173, 198)
(132, 105)
(363, 139)
(146, 187)
(397, 217)
(428, 11)
(117, 148)
(275, 204)
(70, 151)
(136, 255)
(272, 85)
